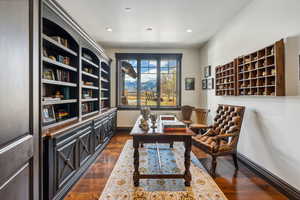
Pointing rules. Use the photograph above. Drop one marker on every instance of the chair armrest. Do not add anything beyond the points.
(210, 132)
(222, 136)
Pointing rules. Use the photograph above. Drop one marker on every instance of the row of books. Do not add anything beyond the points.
(61, 40)
(58, 75)
(87, 107)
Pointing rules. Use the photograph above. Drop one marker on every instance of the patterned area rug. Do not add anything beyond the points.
(120, 183)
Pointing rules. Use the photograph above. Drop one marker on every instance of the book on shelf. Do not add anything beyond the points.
(62, 75)
(63, 59)
(87, 107)
(88, 57)
(61, 41)
(87, 94)
(87, 83)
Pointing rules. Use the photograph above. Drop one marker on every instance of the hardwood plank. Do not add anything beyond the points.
(240, 185)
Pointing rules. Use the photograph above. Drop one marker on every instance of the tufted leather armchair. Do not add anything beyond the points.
(222, 138)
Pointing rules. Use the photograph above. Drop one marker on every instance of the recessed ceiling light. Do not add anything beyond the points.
(149, 29)
(109, 29)
(127, 9)
(189, 30)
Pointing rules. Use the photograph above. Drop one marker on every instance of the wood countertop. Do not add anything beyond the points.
(57, 130)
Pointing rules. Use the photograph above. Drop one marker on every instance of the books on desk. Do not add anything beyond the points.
(173, 126)
(167, 118)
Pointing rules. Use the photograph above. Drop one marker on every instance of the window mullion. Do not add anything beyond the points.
(138, 82)
(158, 81)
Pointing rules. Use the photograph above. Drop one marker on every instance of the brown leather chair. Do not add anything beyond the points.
(201, 123)
(186, 112)
(222, 138)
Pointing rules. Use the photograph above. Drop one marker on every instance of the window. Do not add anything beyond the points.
(148, 80)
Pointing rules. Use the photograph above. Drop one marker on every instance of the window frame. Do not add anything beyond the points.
(157, 56)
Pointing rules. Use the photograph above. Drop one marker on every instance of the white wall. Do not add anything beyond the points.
(271, 134)
(190, 68)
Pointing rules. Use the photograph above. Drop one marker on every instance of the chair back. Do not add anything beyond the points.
(186, 112)
(201, 115)
(229, 120)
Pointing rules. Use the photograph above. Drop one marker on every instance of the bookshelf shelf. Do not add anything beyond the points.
(104, 89)
(53, 42)
(90, 87)
(90, 75)
(59, 123)
(89, 62)
(58, 64)
(90, 113)
(53, 82)
(104, 98)
(54, 102)
(104, 80)
(88, 100)
(105, 72)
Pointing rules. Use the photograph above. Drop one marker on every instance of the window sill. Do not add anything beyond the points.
(165, 108)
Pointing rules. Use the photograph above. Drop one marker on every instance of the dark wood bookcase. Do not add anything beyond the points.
(260, 73)
(226, 79)
(75, 77)
(105, 86)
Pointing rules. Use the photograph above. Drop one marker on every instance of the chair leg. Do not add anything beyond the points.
(234, 157)
(171, 145)
(213, 166)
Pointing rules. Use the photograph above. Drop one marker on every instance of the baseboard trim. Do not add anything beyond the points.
(288, 190)
(124, 129)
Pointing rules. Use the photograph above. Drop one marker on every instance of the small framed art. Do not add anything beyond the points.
(207, 71)
(204, 84)
(189, 83)
(210, 84)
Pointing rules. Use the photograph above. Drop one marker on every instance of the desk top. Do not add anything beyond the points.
(136, 130)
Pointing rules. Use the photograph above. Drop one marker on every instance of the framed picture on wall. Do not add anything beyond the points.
(207, 71)
(204, 84)
(189, 83)
(299, 69)
(210, 83)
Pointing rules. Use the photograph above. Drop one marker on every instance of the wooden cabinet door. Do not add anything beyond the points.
(84, 146)
(19, 48)
(65, 163)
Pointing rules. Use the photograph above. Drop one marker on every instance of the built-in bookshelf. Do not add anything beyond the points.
(59, 75)
(226, 79)
(75, 80)
(261, 73)
(105, 86)
(90, 83)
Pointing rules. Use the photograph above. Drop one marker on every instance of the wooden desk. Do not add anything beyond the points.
(158, 135)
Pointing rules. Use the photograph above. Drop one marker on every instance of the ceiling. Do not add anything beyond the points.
(169, 20)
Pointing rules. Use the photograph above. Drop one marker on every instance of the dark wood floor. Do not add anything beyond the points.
(242, 185)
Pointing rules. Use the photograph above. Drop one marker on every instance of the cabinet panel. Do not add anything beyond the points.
(65, 163)
(84, 147)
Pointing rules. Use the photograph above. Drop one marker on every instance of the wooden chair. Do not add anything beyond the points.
(222, 138)
(201, 123)
(186, 112)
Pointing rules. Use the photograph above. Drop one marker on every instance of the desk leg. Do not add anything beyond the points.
(136, 173)
(187, 161)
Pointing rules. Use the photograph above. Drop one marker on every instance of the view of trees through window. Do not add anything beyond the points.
(155, 84)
